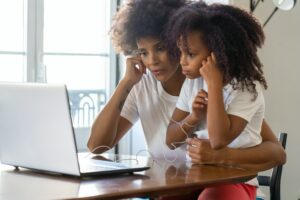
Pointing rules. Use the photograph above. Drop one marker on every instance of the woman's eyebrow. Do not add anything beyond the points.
(159, 43)
(139, 50)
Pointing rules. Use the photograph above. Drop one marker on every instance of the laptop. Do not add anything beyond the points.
(36, 132)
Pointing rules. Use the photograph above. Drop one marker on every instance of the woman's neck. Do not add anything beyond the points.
(174, 84)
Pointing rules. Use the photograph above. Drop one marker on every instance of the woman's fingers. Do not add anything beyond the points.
(136, 64)
(213, 57)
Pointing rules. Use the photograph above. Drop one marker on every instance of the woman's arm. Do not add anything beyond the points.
(268, 154)
(109, 127)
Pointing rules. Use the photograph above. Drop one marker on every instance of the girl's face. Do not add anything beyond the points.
(192, 54)
(156, 58)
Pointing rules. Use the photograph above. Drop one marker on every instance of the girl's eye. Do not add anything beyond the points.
(191, 54)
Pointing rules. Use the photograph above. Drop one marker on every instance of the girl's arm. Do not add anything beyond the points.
(222, 128)
(109, 127)
(183, 124)
(254, 158)
(177, 132)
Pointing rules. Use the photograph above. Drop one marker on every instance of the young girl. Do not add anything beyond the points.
(218, 46)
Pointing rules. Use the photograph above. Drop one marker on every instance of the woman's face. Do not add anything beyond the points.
(156, 58)
(192, 53)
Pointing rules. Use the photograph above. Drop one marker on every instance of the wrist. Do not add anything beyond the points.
(223, 156)
(192, 120)
(126, 82)
(215, 86)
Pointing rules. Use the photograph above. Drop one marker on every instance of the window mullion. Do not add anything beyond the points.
(31, 35)
(35, 67)
(40, 67)
(112, 72)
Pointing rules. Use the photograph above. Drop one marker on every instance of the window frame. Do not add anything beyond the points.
(33, 51)
(36, 70)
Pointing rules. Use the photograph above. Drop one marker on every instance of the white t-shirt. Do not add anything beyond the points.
(237, 102)
(148, 101)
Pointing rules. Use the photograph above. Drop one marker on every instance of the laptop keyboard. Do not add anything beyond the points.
(87, 164)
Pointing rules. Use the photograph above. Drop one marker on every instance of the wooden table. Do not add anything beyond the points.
(163, 178)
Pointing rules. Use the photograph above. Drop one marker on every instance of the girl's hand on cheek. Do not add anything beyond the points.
(210, 71)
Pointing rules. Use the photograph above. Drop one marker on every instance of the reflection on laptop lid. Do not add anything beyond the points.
(36, 132)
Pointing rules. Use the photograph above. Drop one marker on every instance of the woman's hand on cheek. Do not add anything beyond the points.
(135, 69)
(210, 71)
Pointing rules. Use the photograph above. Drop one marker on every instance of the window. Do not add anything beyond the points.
(12, 34)
(61, 41)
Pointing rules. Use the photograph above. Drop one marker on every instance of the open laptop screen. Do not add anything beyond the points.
(36, 129)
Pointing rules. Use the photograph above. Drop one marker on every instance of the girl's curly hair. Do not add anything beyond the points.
(230, 32)
(141, 18)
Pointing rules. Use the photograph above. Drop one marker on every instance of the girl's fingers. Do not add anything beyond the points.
(203, 94)
(203, 97)
(200, 100)
(198, 106)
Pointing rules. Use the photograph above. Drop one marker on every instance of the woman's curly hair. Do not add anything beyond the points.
(141, 18)
(230, 32)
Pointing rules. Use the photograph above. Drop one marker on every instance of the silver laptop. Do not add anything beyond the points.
(36, 132)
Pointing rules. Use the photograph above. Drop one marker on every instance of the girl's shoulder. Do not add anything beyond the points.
(196, 83)
(258, 86)
(238, 86)
(237, 91)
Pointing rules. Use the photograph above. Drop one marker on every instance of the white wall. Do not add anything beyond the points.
(280, 56)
